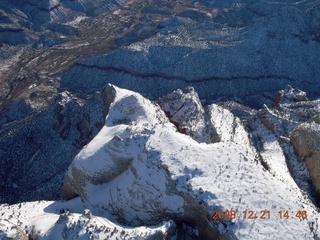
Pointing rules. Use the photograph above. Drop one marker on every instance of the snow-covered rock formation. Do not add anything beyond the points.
(141, 170)
(185, 110)
(148, 174)
(207, 124)
(294, 119)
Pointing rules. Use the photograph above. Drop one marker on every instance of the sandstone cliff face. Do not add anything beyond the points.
(306, 141)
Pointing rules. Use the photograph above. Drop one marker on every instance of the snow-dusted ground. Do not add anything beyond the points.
(231, 180)
(44, 220)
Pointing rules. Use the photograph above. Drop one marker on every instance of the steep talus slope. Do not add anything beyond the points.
(141, 170)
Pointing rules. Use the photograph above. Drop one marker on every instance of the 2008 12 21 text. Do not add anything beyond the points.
(262, 214)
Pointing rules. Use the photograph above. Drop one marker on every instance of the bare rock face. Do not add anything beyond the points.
(185, 110)
(207, 124)
(290, 95)
(306, 141)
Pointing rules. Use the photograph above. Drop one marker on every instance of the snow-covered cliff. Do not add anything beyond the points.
(156, 164)
(141, 170)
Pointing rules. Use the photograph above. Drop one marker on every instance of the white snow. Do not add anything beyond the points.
(76, 21)
(43, 220)
(231, 181)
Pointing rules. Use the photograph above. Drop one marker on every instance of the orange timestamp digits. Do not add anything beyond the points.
(299, 214)
(262, 214)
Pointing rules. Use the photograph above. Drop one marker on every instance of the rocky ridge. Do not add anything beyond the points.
(293, 111)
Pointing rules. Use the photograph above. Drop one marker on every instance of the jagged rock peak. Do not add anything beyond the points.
(207, 124)
(173, 102)
(290, 95)
(184, 109)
